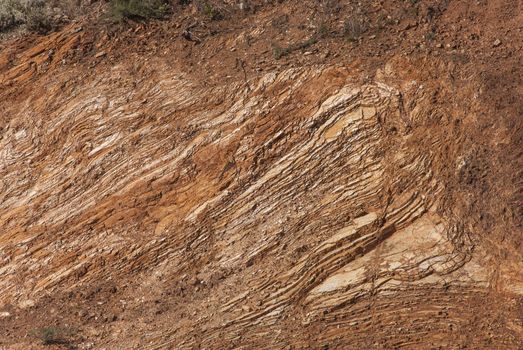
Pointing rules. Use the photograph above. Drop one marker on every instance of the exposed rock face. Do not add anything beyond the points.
(299, 208)
(305, 186)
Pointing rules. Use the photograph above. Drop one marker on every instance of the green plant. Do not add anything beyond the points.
(53, 335)
(430, 35)
(323, 30)
(210, 10)
(138, 9)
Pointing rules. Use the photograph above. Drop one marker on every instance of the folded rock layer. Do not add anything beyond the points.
(300, 208)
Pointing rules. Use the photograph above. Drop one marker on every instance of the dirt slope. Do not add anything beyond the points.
(255, 189)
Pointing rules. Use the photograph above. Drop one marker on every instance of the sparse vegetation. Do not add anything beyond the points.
(211, 12)
(353, 28)
(9, 17)
(42, 16)
(36, 15)
(323, 30)
(209, 9)
(430, 35)
(280, 52)
(53, 335)
(138, 9)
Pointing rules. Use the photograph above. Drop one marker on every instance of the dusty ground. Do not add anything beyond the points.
(236, 191)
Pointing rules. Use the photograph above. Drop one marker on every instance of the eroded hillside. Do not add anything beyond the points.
(164, 193)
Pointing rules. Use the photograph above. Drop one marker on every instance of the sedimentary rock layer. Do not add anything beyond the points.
(282, 204)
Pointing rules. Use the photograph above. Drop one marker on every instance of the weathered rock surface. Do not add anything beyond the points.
(300, 208)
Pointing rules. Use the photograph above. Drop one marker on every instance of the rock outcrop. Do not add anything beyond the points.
(302, 207)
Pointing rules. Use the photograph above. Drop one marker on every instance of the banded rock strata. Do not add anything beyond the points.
(300, 202)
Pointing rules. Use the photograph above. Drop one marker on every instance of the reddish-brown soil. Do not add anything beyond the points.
(250, 188)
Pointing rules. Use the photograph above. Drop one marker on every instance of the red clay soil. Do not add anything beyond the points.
(295, 175)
